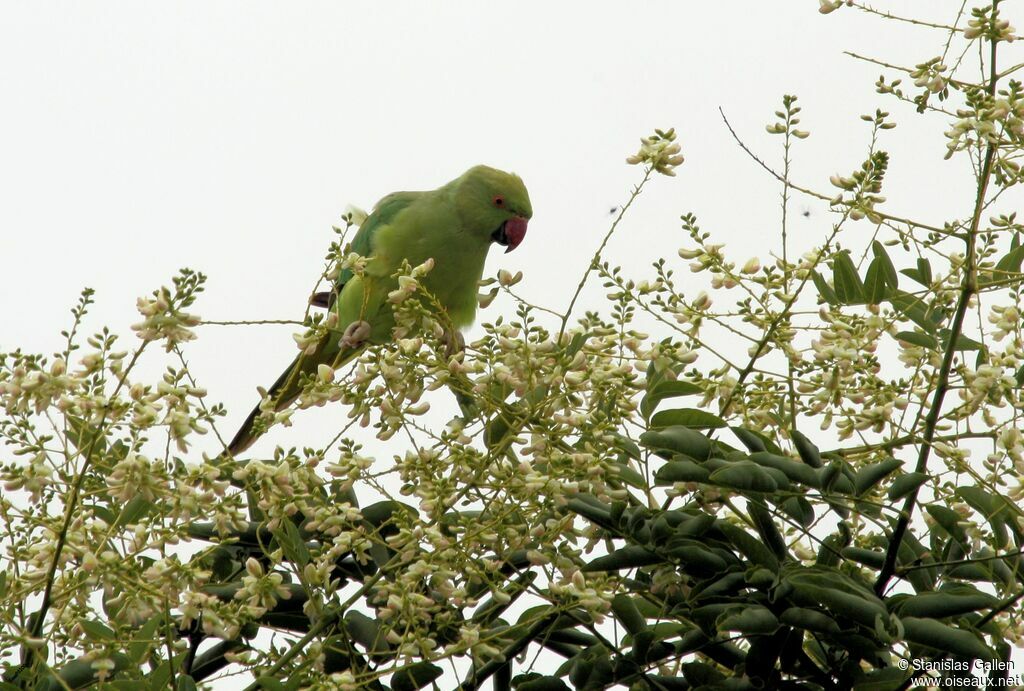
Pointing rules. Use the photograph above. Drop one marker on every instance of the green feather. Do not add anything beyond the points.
(455, 225)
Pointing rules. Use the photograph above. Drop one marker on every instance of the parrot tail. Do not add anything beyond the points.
(287, 388)
(246, 435)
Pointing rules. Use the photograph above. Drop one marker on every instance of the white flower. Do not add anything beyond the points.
(660, 151)
(354, 215)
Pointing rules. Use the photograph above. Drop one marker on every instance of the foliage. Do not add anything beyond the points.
(575, 524)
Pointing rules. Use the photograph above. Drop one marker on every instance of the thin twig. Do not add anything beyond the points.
(249, 322)
(597, 255)
(818, 195)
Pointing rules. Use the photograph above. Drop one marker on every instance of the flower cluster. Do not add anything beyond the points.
(660, 151)
(163, 322)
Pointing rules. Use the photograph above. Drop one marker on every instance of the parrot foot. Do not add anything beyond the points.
(454, 342)
(355, 334)
(325, 299)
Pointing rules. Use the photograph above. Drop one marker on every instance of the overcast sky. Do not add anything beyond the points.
(140, 137)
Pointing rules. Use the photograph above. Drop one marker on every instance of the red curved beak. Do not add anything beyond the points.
(515, 231)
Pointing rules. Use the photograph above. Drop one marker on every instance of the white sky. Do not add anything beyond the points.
(139, 137)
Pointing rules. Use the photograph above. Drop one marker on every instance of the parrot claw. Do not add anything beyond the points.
(325, 299)
(454, 343)
(355, 334)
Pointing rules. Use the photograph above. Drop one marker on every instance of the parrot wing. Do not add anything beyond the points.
(288, 385)
(362, 244)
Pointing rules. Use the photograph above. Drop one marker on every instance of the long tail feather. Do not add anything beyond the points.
(245, 436)
(286, 389)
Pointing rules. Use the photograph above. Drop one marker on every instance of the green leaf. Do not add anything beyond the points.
(892, 279)
(381, 513)
(143, 640)
(827, 293)
(663, 390)
(626, 612)
(868, 557)
(137, 507)
(918, 339)
(496, 431)
(86, 438)
(914, 309)
(725, 585)
(630, 476)
(962, 342)
(291, 542)
(751, 547)
(96, 630)
(809, 620)
(415, 676)
(905, 484)
(831, 547)
(542, 684)
(849, 287)
(934, 634)
(628, 557)
(993, 507)
(754, 619)
(809, 453)
(365, 631)
(678, 439)
(800, 510)
(744, 475)
(701, 675)
(767, 529)
(695, 526)
(681, 471)
(1007, 268)
(949, 520)
(686, 417)
(875, 288)
(755, 441)
(576, 344)
(77, 674)
(925, 269)
(594, 512)
(859, 607)
(592, 669)
(696, 559)
(627, 446)
(922, 274)
(914, 275)
(884, 679)
(833, 477)
(797, 472)
(869, 476)
(949, 602)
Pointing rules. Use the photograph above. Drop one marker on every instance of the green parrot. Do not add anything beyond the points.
(454, 225)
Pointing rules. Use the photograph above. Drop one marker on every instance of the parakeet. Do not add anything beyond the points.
(454, 225)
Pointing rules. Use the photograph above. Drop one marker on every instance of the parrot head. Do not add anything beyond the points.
(494, 205)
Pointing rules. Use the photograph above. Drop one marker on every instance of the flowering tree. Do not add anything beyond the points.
(836, 508)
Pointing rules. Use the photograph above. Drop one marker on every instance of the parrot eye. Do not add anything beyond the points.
(499, 201)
